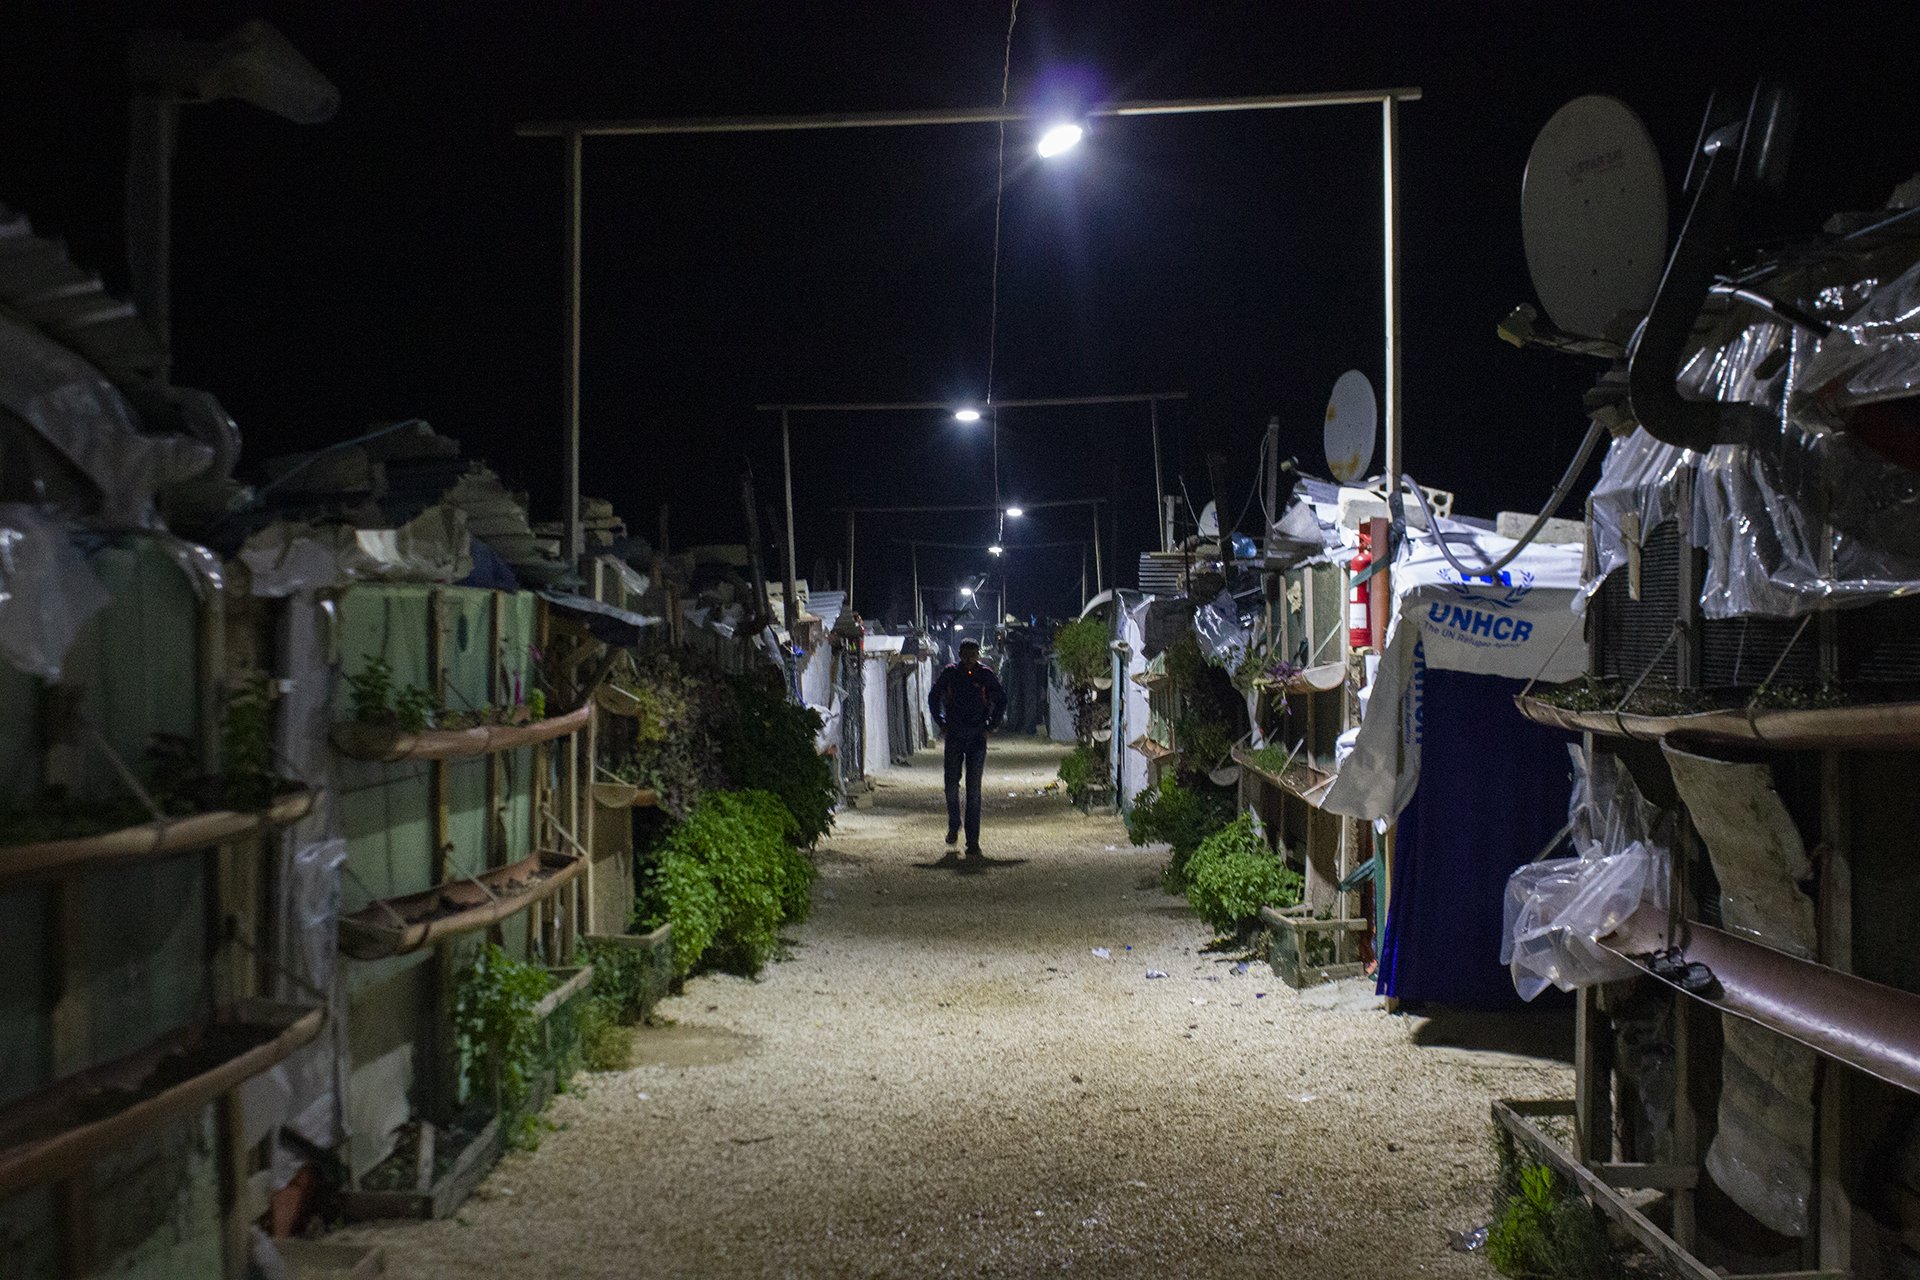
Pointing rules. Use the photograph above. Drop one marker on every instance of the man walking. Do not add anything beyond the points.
(967, 701)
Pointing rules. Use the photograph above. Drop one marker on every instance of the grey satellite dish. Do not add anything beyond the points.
(1353, 420)
(1593, 215)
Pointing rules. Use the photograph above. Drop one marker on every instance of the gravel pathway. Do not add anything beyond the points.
(945, 1078)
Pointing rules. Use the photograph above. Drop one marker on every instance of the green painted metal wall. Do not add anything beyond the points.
(139, 947)
(395, 1007)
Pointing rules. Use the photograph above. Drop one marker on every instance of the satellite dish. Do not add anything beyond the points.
(1593, 215)
(1353, 417)
(1209, 521)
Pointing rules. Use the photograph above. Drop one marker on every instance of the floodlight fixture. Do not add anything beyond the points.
(1014, 513)
(968, 414)
(995, 549)
(1058, 138)
(967, 592)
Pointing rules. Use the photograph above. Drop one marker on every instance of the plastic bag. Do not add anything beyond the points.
(47, 592)
(1558, 909)
(1223, 636)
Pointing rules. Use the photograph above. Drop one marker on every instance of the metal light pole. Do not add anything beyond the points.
(793, 575)
(1388, 101)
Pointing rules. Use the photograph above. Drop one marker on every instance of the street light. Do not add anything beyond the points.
(967, 592)
(967, 415)
(995, 549)
(1014, 513)
(1059, 138)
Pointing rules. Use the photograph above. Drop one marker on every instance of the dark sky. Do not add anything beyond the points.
(404, 259)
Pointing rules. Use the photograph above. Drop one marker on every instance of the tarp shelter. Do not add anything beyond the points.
(1476, 787)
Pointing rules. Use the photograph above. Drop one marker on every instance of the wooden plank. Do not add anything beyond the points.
(563, 993)
(1592, 1080)
(1656, 1177)
(1609, 1201)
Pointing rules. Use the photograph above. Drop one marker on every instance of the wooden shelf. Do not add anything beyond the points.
(1886, 726)
(624, 795)
(1152, 750)
(1302, 781)
(1150, 679)
(49, 858)
(56, 1133)
(384, 745)
(1329, 677)
(396, 926)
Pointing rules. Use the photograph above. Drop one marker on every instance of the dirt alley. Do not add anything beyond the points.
(944, 1078)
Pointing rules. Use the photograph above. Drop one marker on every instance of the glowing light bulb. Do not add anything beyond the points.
(1059, 138)
(967, 415)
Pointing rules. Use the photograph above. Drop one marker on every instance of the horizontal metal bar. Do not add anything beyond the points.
(910, 406)
(1867, 1025)
(947, 115)
(971, 506)
(1007, 546)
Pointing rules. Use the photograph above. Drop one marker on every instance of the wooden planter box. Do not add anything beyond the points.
(658, 945)
(386, 745)
(1306, 952)
(48, 858)
(444, 1196)
(396, 926)
(56, 1133)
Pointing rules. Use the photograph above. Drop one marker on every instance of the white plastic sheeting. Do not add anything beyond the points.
(1517, 623)
(287, 558)
(47, 592)
(1558, 909)
(86, 420)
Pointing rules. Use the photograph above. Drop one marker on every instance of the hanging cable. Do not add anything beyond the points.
(993, 305)
(1560, 493)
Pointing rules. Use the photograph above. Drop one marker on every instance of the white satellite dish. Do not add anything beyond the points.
(1593, 215)
(1353, 419)
(1209, 522)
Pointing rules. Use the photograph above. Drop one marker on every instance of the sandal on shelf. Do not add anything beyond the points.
(1691, 976)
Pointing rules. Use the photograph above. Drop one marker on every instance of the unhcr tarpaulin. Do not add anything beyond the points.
(1518, 623)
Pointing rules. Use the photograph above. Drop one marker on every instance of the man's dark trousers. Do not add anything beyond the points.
(968, 750)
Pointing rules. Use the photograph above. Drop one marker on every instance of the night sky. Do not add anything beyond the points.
(404, 259)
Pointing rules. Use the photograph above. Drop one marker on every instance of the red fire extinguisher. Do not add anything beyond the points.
(1359, 624)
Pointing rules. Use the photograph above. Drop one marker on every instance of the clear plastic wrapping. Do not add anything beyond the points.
(47, 592)
(1643, 482)
(1558, 909)
(1224, 637)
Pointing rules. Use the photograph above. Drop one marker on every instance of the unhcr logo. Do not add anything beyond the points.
(1471, 625)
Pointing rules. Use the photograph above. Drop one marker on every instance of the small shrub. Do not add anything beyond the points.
(1078, 771)
(606, 1041)
(495, 1036)
(1233, 874)
(766, 743)
(1180, 817)
(1548, 1230)
(726, 878)
(1081, 647)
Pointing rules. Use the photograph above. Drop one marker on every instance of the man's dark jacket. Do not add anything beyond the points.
(967, 703)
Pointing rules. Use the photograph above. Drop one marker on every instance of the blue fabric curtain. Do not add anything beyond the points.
(1493, 788)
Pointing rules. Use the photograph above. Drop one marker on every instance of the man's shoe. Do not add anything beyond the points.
(953, 836)
(973, 851)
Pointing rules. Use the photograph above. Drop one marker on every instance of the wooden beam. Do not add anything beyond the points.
(1656, 1177)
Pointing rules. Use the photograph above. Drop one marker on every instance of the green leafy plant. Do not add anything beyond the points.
(1081, 647)
(496, 1038)
(1233, 874)
(622, 976)
(726, 878)
(1546, 1229)
(246, 742)
(766, 743)
(1079, 769)
(1180, 816)
(606, 1042)
(537, 704)
(376, 699)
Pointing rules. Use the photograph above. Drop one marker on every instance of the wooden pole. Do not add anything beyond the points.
(570, 519)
